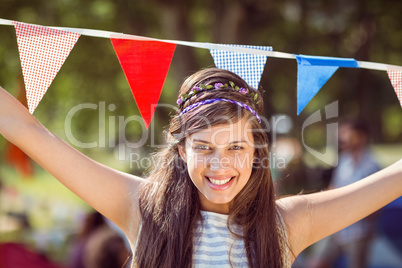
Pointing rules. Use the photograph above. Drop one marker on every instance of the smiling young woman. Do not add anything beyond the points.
(214, 143)
(208, 201)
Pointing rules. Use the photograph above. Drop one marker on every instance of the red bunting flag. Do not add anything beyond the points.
(396, 80)
(145, 64)
(42, 52)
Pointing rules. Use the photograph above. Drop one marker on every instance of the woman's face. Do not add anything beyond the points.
(219, 161)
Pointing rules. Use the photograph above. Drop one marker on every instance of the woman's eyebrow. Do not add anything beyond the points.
(240, 141)
(198, 140)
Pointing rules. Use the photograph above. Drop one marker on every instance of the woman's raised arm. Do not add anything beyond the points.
(112, 193)
(311, 217)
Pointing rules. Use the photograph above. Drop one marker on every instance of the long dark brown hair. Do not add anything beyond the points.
(169, 201)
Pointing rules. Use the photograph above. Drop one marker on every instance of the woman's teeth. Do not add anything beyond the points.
(219, 182)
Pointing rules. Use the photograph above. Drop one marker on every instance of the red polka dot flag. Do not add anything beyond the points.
(42, 52)
(396, 80)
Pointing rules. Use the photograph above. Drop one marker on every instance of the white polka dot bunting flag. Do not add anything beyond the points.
(42, 51)
(396, 80)
(248, 66)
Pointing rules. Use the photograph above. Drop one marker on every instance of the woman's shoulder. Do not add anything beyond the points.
(133, 230)
(131, 226)
(293, 210)
(288, 204)
(285, 227)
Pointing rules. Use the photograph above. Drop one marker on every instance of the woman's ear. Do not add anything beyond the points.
(182, 153)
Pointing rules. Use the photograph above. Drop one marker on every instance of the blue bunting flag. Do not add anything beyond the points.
(313, 72)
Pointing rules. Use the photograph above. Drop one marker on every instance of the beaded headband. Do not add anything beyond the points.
(208, 101)
(197, 89)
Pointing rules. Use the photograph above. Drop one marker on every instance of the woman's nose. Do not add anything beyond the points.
(219, 161)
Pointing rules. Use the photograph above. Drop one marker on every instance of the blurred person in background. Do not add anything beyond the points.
(21, 254)
(355, 163)
(98, 245)
(388, 224)
(290, 173)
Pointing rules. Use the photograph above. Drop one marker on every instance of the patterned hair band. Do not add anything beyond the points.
(201, 87)
(198, 104)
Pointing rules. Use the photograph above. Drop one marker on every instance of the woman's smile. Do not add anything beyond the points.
(220, 183)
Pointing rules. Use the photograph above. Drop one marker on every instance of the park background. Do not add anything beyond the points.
(364, 30)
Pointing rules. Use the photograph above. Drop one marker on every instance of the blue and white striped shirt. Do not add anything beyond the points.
(214, 243)
(216, 246)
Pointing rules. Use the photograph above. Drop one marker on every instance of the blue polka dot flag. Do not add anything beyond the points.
(247, 66)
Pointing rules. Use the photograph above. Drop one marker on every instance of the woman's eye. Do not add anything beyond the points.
(202, 147)
(236, 147)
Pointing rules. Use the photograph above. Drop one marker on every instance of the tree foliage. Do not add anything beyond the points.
(367, 30)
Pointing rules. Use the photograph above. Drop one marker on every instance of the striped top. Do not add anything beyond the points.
(214, 243)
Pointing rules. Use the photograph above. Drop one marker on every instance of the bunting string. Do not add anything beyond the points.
(274, 54)
(145, 62)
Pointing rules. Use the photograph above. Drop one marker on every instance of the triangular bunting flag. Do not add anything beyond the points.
(145, 64)
(313, 72)
(309, 81)
(396, 80)
(247, 66)
(42, 52)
